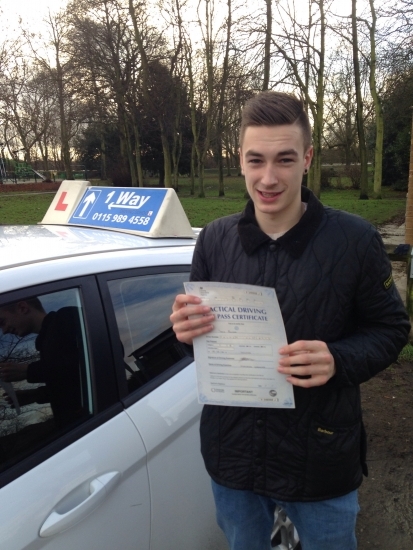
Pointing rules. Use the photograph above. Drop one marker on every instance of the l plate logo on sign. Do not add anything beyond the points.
(121, 208)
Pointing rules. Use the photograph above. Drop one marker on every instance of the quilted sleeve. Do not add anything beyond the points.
(382, 322)
(199, 269)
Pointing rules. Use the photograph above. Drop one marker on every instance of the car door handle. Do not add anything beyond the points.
(61, 518)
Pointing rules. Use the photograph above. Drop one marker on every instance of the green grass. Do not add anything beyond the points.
(376, 211)
(21, 208)
(200, 211)
(407, 353)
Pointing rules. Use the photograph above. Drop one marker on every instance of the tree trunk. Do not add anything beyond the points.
(63, 125)
(138, 155)
(148, 98)
(267, 46)
(220, 162)
(221, 101)
(176, 157)
(409, 203)
(314, 181)
(201, 189)
(228, 162)
(103, 163)
(129, 151)
(166, 159)
(364, 191)
(177, 141)
(192, 175)
(378, 150)
(209, 60)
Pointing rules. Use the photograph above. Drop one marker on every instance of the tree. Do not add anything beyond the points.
(148, 87)
(372, 64)
(302, 47)
(340, 109)
(59, 70)
(222, 88)
(409, 204)
(359, 111)
(397, 112)
(267, 46)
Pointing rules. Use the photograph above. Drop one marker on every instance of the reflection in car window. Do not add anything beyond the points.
(142, 307)
(44, 372)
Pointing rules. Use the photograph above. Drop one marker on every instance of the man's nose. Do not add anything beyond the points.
(269, 176)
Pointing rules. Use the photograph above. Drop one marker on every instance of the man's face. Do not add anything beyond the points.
(273, 160)
(15, 320)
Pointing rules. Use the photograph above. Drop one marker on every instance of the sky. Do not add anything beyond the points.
(32, 11)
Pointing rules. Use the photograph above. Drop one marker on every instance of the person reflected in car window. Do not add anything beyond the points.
(60, 355)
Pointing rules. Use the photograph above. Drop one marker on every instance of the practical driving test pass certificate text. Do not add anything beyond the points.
(236, 363)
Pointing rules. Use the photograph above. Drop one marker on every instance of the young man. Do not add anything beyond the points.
(344, 322)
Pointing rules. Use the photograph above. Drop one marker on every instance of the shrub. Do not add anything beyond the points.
(353, 171)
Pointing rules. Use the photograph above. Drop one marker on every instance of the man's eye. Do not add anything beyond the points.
(286, 161)
(254, 161)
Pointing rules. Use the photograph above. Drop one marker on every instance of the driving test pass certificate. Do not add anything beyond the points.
(236, 363)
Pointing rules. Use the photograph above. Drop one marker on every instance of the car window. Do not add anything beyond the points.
(44, 372)
(142, 308)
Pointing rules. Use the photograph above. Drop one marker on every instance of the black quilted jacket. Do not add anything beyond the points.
(333, 281)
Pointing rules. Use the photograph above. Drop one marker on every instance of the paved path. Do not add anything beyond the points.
(395, 234)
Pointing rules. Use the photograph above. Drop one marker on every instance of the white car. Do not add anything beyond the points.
(108, 456)
(99, 421)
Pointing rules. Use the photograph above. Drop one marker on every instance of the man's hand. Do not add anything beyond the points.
(185, 328)
(13, 372)
(313, 361)
(24, 397)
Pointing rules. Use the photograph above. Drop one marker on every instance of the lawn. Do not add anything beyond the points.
(26, 208)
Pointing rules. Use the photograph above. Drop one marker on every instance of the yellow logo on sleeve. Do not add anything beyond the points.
(388, 282)
(323, 431)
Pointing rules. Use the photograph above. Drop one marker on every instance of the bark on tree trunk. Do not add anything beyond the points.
(364, 192)
(378, 150)
(409, 203)
(192, 176)
(267, 46)
(138, 155)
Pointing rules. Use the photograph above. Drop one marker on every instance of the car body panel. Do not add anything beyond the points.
(168, 421)
(28, 501)
(159, 496)
(21, 245)
(29, 257)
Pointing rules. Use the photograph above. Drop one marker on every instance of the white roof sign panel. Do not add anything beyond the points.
(151, 212)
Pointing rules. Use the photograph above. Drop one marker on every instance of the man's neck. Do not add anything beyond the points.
(38, 319)
(279, 223)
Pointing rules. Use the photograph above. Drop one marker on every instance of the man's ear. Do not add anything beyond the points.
(308, 157)
(241, 161)
(23, 307)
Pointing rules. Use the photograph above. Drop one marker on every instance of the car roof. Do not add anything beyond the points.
(27, 244)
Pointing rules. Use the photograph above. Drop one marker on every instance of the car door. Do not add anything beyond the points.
(159, 385)
(73, 468)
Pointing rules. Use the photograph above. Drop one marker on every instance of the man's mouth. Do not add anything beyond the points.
(269, 195)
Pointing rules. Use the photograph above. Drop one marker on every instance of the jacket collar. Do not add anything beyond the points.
(295, 240)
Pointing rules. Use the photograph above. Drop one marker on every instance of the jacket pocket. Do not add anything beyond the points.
(333, 460)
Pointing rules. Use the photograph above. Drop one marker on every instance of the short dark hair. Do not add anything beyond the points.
(34, 303)
(275, 109)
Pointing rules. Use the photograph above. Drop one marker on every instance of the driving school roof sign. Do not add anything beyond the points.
(144, 211)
